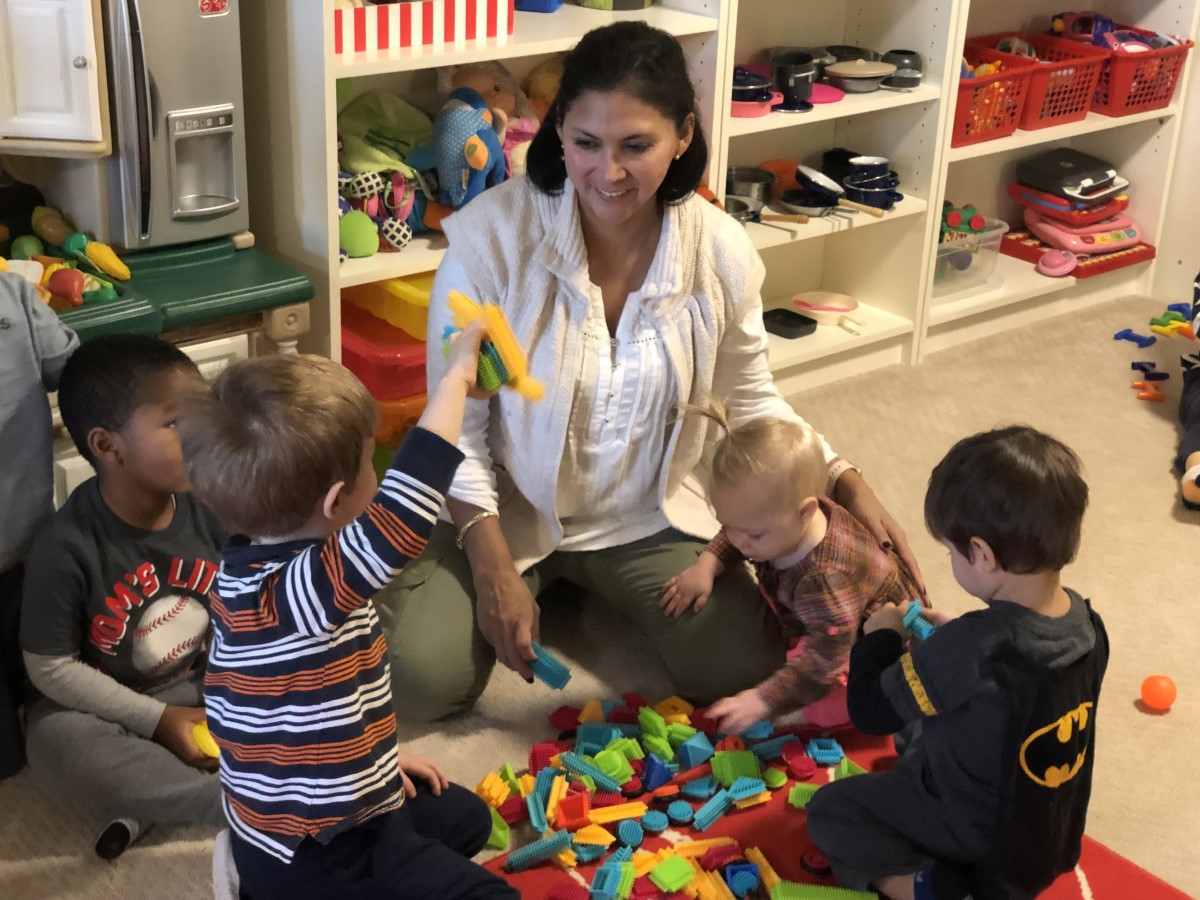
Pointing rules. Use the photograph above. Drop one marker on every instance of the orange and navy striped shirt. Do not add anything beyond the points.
(298, 689)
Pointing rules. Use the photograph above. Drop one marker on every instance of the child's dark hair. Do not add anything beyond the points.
(104, 382)
(1016, 488)
(645, 63)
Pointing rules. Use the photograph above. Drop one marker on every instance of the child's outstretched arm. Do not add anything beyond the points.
(447, 401)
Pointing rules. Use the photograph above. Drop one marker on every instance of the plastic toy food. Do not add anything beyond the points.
(1158, 692)
(100, 256)
(51, 225)
(204, 740)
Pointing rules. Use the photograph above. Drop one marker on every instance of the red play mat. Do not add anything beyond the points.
(779, 831)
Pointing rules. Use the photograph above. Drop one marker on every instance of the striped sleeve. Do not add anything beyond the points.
(327, 582)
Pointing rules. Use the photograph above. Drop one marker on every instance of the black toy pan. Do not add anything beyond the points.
(820, 187)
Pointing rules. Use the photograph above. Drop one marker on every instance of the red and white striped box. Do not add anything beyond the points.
(417, 23)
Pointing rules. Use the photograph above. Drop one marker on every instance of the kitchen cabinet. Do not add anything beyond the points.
(53, 90)
(886, 264)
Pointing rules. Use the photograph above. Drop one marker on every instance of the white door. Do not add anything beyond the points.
(49, 83)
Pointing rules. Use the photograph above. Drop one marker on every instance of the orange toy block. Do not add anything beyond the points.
(573, 811)
(592, 712)
(633, 810)
(674, 706)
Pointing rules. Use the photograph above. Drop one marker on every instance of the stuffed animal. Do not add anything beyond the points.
(541, 84)
(469, 155)
(515, 118)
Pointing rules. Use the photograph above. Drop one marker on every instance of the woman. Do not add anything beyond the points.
(631, 296)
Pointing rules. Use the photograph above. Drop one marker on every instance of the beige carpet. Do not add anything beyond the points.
(1069, 378)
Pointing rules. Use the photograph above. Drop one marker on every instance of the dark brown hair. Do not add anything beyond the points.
(270, 438)
(1016, 488)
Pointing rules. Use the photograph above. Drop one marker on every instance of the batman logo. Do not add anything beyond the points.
(1044, 753)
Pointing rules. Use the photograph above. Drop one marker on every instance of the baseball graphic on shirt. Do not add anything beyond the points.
(169, 635)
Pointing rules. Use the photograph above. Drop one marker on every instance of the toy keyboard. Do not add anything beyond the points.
(1020, 244)
(1106, 236)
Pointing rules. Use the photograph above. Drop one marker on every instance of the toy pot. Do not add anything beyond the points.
(826, 190)
(794, 73)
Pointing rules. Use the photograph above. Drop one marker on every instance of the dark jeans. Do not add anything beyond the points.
(1189, 418)
(421, 851)
(12, 674)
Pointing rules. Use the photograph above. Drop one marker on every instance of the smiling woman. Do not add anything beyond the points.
(632, 297)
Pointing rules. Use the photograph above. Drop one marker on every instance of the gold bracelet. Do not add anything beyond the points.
(471, 523)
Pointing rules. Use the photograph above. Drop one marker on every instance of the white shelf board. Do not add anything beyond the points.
(772, 234)
(534, 34)
(1014, 280)
(828, 340)
(1093, 122)
(850, 105)
(423, 254)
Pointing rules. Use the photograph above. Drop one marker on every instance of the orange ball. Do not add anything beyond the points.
(1158, 692)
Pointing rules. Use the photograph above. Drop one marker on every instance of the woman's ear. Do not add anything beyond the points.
(685, 135)
(333, 496)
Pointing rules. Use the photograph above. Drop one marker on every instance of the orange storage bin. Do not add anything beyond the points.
(402, 302)
(1133, 82)
(396, 417)
(990, 106)
(389, 362)
(1061, 84)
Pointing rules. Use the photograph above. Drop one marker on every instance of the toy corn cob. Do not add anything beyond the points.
(501, 359)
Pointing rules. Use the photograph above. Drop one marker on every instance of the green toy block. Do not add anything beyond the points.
(627, 747)
(677, 733)
(672, 874)
(730, 765)
(790, 890)
(510, 778)
(614, 764)
(774, 778)
(1167, 318)
(625, 885)
(498, 839)
(652, 723)
(846, 768)
(659, 746)
(801, 793)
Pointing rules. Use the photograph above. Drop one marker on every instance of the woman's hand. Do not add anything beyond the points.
(853, 493)
(508, 618)
(424, 768)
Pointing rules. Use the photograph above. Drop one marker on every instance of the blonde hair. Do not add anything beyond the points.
(766, 447)
(271, 436)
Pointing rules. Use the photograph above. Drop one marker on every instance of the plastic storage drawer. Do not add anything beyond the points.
(396, 417)
(969, 261)
(403, 302)
(389, 362)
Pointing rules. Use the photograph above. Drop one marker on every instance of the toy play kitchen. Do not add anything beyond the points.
(1076, 203)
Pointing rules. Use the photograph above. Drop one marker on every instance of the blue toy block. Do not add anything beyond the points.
(745, 788)
(1144, 366)
(680, 812)
(742, 878)
(655, 773)
(1155, 376)
(1184, 309)
(605, 883)
(587, 748)
(712, 810)
(542, 782)
(824, 751)
(579, 766)
(599, 733)
(758, 731)
(773, 748)
(655, 821)
(537, 811)
(621, 855)
(1128, 334)
(548, 669)
(701, 788)
(539, 851)
(607, 706)
(916, 623)
(586, 853)
(630, 833)
(695, 750)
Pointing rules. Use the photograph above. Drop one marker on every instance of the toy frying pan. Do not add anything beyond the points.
(748, 209)
(823, 188)
(806, 203)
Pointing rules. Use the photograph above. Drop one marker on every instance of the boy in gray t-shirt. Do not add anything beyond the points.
(114, 618)
(34, 346)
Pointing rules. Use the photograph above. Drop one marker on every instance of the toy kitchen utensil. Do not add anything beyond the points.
(821, 186)
(1067, 173)
(794, 73)
(861, 76)
(806, 203)
(748, 209)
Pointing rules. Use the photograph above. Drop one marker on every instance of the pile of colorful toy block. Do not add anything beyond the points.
(632, 771)
(1174, 322)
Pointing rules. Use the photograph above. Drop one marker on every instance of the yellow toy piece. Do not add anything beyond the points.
(603, 815)
(493, 790)
(104, 259)
(204, 740)
(766, 873)
(501, 337)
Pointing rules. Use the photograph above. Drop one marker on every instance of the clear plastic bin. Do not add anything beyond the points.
(403, 302)
(969, 261)
(389, 362)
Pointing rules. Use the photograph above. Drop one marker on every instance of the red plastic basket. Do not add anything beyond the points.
(990, 107)
(1063, 81)
(389, 362)
(1132, 82)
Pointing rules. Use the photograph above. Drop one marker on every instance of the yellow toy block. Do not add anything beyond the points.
(594, 834)
(558, 790)
(709, 886)
(767, 876)
(674, 706)
(643, 860)
(696, 849)
(592, 712)
(526, 783)
(677, 719)
(493, 790)
(750, 802)
(635, 809)
(500, 335)
(566, 859)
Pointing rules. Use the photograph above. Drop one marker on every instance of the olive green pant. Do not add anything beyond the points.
(441, 663)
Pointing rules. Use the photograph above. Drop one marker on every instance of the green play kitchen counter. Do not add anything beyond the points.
(182, 287)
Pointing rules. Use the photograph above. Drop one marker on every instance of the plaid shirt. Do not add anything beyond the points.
(821, 603)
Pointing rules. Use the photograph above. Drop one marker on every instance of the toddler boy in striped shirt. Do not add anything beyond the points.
(316, 788)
